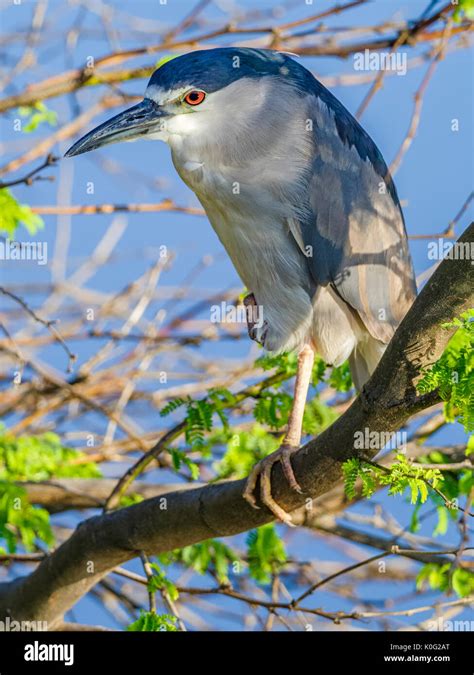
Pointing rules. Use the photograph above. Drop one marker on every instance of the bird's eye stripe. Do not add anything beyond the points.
(195, 97)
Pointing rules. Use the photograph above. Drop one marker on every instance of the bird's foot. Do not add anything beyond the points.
(257, 328)
(263, 470)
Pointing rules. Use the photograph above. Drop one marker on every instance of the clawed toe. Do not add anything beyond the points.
(257, 329)
(263, 471)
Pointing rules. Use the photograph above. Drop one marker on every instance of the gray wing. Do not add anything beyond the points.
(353, 230)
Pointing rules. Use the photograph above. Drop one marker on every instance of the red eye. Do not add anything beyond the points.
(195, 97)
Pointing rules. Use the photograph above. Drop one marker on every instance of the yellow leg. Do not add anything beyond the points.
(290, 445)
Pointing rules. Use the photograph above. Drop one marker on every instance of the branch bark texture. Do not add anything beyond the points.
(181, 518)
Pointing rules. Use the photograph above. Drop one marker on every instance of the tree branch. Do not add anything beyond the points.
(181, 518)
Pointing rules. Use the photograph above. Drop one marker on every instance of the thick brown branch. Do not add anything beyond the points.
(185, 517)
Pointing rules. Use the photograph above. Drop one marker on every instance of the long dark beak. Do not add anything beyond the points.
(128, 125)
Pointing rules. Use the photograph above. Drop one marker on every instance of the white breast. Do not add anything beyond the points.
(252, 226)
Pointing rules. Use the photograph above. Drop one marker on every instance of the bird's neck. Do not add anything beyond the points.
(219, 171)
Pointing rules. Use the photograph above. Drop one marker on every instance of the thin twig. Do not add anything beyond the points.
(49, 324)
(32, 175)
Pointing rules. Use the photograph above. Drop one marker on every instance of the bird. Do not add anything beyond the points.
(301, 199)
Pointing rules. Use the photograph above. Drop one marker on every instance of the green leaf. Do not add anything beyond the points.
(173, 405)
(340, 378)
(152, 622)
(266, 553)
(244, 449)
(413, 484)
(465, 8)
(443, 521)
(207, 556)
(470, 446)
(273, 408)
(12, 214)
(317, 416)
(198, 421)
(453, 373)
(462, 582)
(350, 470)
(414, 520)
(286, 363)
(441, 577)
(423, 488)
(466, 482)
(130, 500)
(434, 575)
(41, 457)
(20, 521)
(38, 114)
(369, 483)
(159, 581)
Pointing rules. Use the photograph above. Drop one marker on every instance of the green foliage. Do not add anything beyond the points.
(33, 458)
(435, 575)
(462, 581)
(274, 405)
(152, 622)
(443, 521)
(414, 525)
(443, 577)
(222, 398)
(173, 405)
(12, 214)
(369, 476)
(130, 500)
(178, 457)
(453, 373)
(317, 416)
(244, 449)
(38, 114)
(350, 470)
(208, 556)
(160, 582)
(400, 476)
(443, 489)
(198, 421)
(20, 521)
(266, 553)
(273, 408)
(453, 485)
(199, 414)
(319, 370)
(41, 457)
(470, 446)
(283, 363)
(340, 378)
(464, 9)
(287, 363)
(466, 482)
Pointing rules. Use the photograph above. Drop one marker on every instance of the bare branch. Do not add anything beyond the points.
(218, 510)
(32, 176)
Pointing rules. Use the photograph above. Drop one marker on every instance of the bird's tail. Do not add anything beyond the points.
(364, 360)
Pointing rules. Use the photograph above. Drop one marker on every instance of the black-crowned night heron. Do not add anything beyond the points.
(301, 199)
